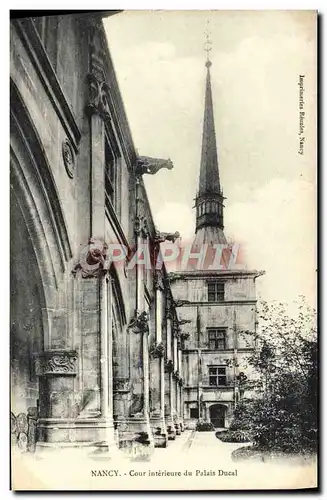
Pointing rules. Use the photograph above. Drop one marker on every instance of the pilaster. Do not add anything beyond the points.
(135, 434)
(157, 380)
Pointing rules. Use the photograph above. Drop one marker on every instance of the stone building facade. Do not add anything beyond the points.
(105, 352)
(94, 353)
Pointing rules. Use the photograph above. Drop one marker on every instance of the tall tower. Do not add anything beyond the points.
(209, 201)
(214, 305)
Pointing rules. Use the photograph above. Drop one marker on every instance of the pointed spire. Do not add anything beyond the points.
(209, 174)
(209, 199)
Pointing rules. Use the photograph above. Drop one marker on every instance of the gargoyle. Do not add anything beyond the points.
(176, 276)
(180, 302)
(184, 321)
(161, 237)
(94, 261)
(149, 165)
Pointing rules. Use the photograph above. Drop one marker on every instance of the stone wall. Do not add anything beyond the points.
(237, 315)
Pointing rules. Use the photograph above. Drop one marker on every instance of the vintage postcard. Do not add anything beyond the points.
(163, 250)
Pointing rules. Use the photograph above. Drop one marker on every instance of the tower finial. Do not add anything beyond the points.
(208, 45)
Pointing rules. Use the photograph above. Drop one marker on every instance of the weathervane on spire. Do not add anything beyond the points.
(208, 45)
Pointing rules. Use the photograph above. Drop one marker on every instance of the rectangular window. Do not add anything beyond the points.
(217, 376)
(194, 413)
(217, 339)
(216, 292)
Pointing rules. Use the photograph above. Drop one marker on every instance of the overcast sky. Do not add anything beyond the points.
(257, 58)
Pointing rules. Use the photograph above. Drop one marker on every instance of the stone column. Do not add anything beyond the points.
(180, 387)
(106, 437)
(157, 416)
(92, 406)
(181, 399)
(137, 436)
(207, 413)
(106, 387)
(81, 411)
(169, 368)
(175, 382)
(121, 376)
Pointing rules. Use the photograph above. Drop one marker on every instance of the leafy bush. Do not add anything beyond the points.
(204, 426)
(278, 420)
(283, 415)
(229, 436)
(241, 417)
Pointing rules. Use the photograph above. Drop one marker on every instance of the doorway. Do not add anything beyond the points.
(217, 415)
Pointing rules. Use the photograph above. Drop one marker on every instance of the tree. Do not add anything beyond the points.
(284, 413)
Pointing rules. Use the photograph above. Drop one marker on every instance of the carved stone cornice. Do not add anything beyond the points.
(93, 260)
(56, 362)
(149, 165)
(157, 350)
(169, 366)
(140, 323)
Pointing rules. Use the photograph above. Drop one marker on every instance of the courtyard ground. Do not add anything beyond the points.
(194, 461)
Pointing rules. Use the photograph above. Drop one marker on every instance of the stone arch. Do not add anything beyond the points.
(39, 252)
